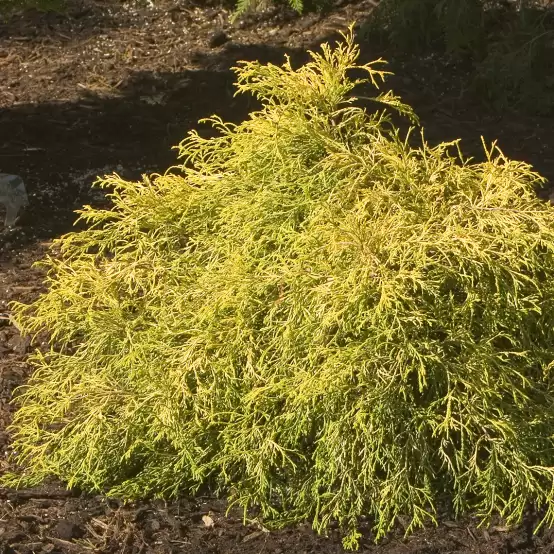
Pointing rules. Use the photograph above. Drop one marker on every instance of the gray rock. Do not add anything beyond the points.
(13, 195)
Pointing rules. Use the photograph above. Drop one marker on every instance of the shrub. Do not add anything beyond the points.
(244, 6)
(518, 68)
(11, 7)
(309, 315)
(447, 25)
(509, 45)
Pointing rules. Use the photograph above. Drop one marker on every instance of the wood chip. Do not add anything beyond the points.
(208, 521)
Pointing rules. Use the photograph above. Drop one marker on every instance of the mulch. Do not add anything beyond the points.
(110, 86)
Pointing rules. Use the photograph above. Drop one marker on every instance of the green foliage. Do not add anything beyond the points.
(518, 70)
(510, 45)
(455, 25)
(245, 6)
(9, 7)
(309, 315)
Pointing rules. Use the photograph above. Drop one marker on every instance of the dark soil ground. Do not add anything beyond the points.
(110, 86)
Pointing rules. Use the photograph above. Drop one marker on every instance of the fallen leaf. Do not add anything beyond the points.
(208, 521)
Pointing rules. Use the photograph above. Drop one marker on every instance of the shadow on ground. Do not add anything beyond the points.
(57, 146)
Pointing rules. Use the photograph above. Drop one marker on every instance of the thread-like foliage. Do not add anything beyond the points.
(310, 315)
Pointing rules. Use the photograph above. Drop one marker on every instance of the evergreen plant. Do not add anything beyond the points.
(311, 315)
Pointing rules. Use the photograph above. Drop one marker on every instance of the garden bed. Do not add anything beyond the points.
(109, 87)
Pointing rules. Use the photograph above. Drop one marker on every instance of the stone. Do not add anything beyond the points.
(13, 195)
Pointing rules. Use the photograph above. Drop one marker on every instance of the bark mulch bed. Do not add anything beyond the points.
(110, 86)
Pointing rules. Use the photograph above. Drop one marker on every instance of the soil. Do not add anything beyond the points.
(110, 86)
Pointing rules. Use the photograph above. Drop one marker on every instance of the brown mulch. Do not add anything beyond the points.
(111, 86)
